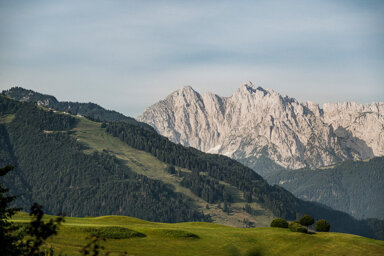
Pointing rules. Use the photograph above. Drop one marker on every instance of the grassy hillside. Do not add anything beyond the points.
(95, 138)
(52, 169)
(199, 238)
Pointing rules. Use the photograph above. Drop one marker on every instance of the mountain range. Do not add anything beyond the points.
(276, 135)
(257, 124)
(82, 167)
(227, 204)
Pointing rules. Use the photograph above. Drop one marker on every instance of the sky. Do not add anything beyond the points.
(127, 55)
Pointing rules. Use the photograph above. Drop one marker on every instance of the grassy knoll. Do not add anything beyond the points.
(96, 139)
(138, 237)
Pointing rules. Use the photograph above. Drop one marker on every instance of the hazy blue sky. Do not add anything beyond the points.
(126, 55)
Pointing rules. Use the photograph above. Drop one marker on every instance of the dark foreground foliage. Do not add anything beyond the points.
(17, 240)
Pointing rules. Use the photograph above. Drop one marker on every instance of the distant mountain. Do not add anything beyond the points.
(272, 134)
(90, 110)
(355, 187)
(256, 125)
(80, 167)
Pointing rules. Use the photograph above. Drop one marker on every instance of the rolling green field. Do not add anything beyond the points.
(138, 237)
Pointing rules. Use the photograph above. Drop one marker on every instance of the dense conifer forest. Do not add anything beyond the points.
(90, 109)
(345, 186)
(52, 169)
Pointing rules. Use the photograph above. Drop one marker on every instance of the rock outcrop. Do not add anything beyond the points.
(257, 123)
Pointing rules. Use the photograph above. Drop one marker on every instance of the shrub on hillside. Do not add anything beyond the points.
(322, 226)
(295, 226)
(279, 223)
(171, 169)
(114, 232)
(306, 220)
(254, 252)
(176, 234)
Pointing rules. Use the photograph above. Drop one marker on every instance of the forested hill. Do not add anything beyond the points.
(281, 202)
(355, 187)
(90, 110)
(54, 168)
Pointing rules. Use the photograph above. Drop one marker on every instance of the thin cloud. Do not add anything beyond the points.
(311, 50)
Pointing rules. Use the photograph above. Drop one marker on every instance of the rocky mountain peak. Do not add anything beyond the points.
(185, 91)
(256, 122)
(249, 88)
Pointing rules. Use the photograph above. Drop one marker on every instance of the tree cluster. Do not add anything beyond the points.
(208, 189)
(302, 225)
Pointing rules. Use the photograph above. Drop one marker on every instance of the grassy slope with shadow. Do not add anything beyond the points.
(95, 138)
(213, 239)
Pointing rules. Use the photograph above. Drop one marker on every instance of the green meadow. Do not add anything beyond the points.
(139, 237)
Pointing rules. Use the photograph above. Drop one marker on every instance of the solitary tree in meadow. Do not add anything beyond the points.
(306, 220)
(322, 226)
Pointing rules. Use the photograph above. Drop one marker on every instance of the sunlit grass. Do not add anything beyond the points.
(198, 238)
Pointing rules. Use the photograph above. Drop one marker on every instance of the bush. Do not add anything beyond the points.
(114, 232)
(322, 226)
(177, 234)
(279, 223)
(295, 226)
(254, 252)
(171, 169)
(306, 220)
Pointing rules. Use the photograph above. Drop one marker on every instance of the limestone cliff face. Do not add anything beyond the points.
(255, 122)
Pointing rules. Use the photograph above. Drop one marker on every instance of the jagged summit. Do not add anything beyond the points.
(247, 87)
(251, 88)
(256, 122)
(186, 88)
